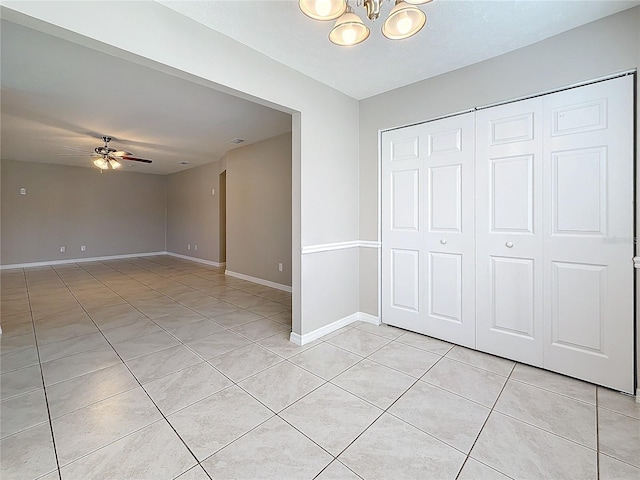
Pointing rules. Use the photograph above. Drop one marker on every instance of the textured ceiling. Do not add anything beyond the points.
(458, 33)
(55, 92)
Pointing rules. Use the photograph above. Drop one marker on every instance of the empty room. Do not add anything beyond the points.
(319, 239)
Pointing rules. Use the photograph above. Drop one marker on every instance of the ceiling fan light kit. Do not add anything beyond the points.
(107, 157)
(404, 20)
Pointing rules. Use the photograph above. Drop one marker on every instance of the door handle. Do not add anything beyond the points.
(443, 241)
(509, 245)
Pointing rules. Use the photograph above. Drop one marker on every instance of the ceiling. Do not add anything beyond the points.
(458, 33)
(55, 93)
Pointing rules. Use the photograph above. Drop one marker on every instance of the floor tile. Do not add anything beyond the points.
(28, 454)
(195, 473)
(244, 362)
(277, 451)
(269, 308)
(448, 417)
(178, 390)
(165, 362)
(331, 417)
(284, 317)
(326, 360)
(139, 329)
(237, 318)
(196, 330)
(281, 344)
(474, 470)
(65, 332)
(20, 413)
(14, 343)
(470, 382)
(85, 430)
(407, 359)
(618, 402)
(214, 422)
(564, 416)
(281, 385)
(375, 383)
(619, 436)
(141, 346)
(359, 342)
(213, 310)
(218, 344)
(533, 453)
(555, 383)
(65, 348)
(612, 469)
(20, 381)
(381, 330)
(177, 320)
(65, 397)
(494, 364)
(115, 316)
(337, 471)
(118, 459)
(391, 448)
(259, 329)
(19, 359)
(424, 342)
(75, 365)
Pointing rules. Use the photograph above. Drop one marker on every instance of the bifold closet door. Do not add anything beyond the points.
(428, 228)
(509, 312)
(588, 233)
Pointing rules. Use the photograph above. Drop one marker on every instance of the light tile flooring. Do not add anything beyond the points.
(156, 368)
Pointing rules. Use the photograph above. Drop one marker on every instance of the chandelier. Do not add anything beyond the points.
(404, 20)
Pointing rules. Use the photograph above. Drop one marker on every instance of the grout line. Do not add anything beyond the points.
(597, 435)
(44, 387)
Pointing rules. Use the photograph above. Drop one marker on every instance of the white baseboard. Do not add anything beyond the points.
(79, 260)
(195, 259)
(368, 318)
(266, 283)
(332, 327)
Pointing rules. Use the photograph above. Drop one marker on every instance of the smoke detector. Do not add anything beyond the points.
(237, 141)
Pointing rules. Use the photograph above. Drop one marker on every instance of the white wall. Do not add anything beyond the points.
(325, 123)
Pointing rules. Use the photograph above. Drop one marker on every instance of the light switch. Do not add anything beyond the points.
(23, 191)
(213, 191)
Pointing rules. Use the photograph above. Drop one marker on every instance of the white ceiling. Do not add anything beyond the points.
(55, 92)
(458, 33)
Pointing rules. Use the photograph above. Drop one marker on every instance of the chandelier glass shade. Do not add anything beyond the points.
(404, 20)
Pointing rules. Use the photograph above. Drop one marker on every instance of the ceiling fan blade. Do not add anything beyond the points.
(121, 153)
(133, 159)
(85, 155)
(73, 148)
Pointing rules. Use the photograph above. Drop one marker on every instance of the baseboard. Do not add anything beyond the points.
(79, 260)
(195, 259)
(322, 331)
(261, 281)
(368, 318)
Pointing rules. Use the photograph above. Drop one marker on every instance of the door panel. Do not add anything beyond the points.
(431, 164)
(509, 231)
(588, 233)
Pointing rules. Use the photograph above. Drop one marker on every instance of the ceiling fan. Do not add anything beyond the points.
(105, 156)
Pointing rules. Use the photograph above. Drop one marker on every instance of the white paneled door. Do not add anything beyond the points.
(428, 248)
(588, 232)
(509, 311)
(511, 230)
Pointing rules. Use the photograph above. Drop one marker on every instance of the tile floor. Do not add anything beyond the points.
(156, 368)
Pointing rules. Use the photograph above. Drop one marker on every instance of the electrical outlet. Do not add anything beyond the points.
(213, 191)
(189, 246)
(195, 247)
(23, 191)
(63, 249)
(83, 248)
(279, 267)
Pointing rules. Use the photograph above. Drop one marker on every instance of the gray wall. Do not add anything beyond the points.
(112, 213)
(192, 212)
(259, 209)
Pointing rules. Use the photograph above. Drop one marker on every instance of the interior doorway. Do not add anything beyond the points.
(222, 205)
